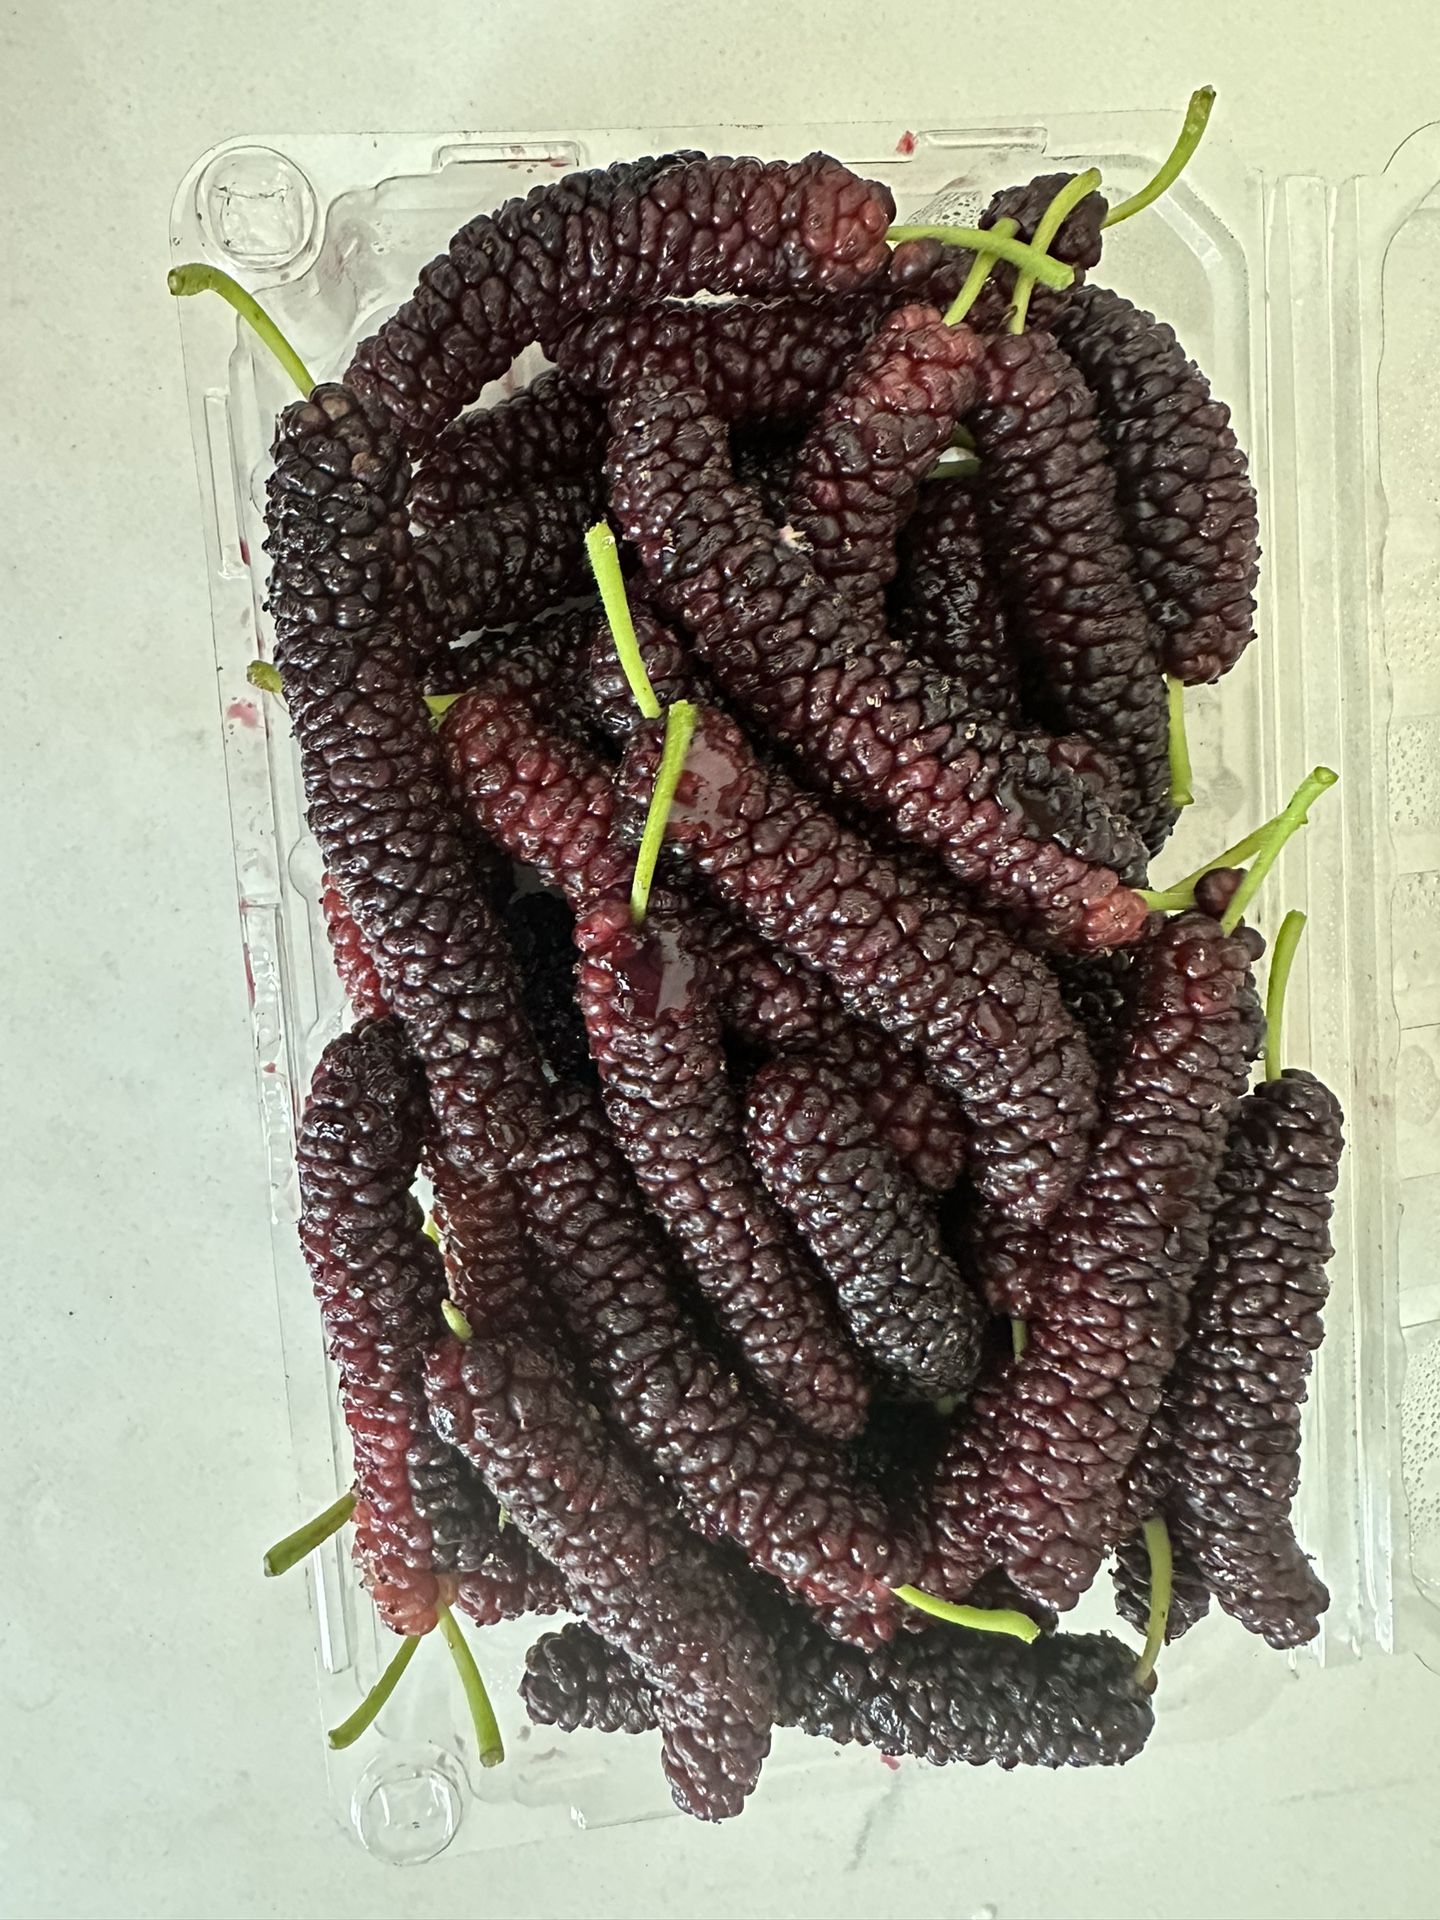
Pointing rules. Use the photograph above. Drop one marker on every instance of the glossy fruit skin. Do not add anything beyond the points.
(359, 981)
(509, 561)
(877, 730)
(1182, 481)
(1069, 1700)
(867, 1225)
(1034, 1475)
(983, 1014)
(540, 929)
(945, 606)
(655, 1036)
(741, 1471)
(510, 1402)
(1053, 530)
(858, 470)
(547, 431)
(679, 224)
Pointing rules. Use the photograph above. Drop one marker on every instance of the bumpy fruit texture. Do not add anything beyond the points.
(511, 1403)
(867, 1225)
(1095, 987)
(773, 360)
(379, 1283)
(1053, 529)
(356, 970)
(1189, 1595)
(509, 561)
(668, 664)
(1233, 1405)
(984, 1014)
(859, 467)
(379, 806)
(1067, 1701)
(742, 1473)
(540, 662)
(764, 459)
(540, 930)
(945, 606)
(654, 1032)
(1078, 243)
(647, 229)
(878, 730)
(1032, 1477)
(547, 431)
(1181, 478)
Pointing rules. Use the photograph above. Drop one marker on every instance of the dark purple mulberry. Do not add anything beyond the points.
(1181, 479)
(540, 928)
(985, 1015)
(547, 431)
(876, 729)
(506, 562)
(859, 467)
(1070, 1700)
(654, 1030)
(679, 225)
(510, 1403)
(1032, 1476)
(945, 605)
(1189, 1595)
(743, 1473)
(867, 1225)
(1047, 498)
(1078, 243)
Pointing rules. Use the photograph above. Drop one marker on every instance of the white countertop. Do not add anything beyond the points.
(159, 1748)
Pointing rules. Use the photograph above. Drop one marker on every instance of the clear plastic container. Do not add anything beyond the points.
(1310, 304)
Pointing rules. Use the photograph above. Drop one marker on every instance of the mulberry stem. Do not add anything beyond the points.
(1019, 1336)
(349, 1731)
(1182, 794)
(263, 677)
(196, 277)
(1050, 273)
(487, 1731)
(1282, 958)
(1276, 834)
(974, 280)
(1051, 221)
(456, 1321)
(982, 1619)
(604, 560)
(679, 729)
(1197, 115)
(290, 1551)
(1157, 1545)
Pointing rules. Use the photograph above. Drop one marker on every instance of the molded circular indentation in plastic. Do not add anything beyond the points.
(257, 207)
(407, 1811)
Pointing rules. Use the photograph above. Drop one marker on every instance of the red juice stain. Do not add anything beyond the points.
(888, 1759)
(906, 144)
(249, 975)
(244, 550)
(245, 713)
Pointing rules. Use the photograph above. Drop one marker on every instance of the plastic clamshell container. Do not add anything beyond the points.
(1309, 303)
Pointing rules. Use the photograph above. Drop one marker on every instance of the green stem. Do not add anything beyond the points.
(263, 677)
(198, 278)
(440, 704)
(1050, 273)
(1162, 1571)
(1051, 221)
(349, 1731)
(1182, 793)
(1282, 959)
(1277, 833)
(482, 1714)
(959, 467)
(679, 728)
(456, 1321)
(980, 271)
(1197, 114)
(290, 1551)
(982, 1619)
(1019, 1336)
(605, 565)
(1231, 857)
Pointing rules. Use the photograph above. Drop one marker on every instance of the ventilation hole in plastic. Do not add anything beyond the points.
(257, 207)
(406, 1811)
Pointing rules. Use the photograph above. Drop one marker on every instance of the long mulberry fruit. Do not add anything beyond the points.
(1031, 840)
(678, 225)
(547, 431)
(945, 606)
(867, 1226)
(984, 1014)
(506, 562)
(1183, 487)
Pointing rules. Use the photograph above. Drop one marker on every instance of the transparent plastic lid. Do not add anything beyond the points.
(1309, 304)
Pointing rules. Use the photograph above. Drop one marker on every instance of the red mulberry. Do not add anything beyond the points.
(867, 1226)
(1031, 1478)
(359, 981)
(678, 225)
(1026, 835)
(1183, 486)
(984, 1014)
(655, 1036)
